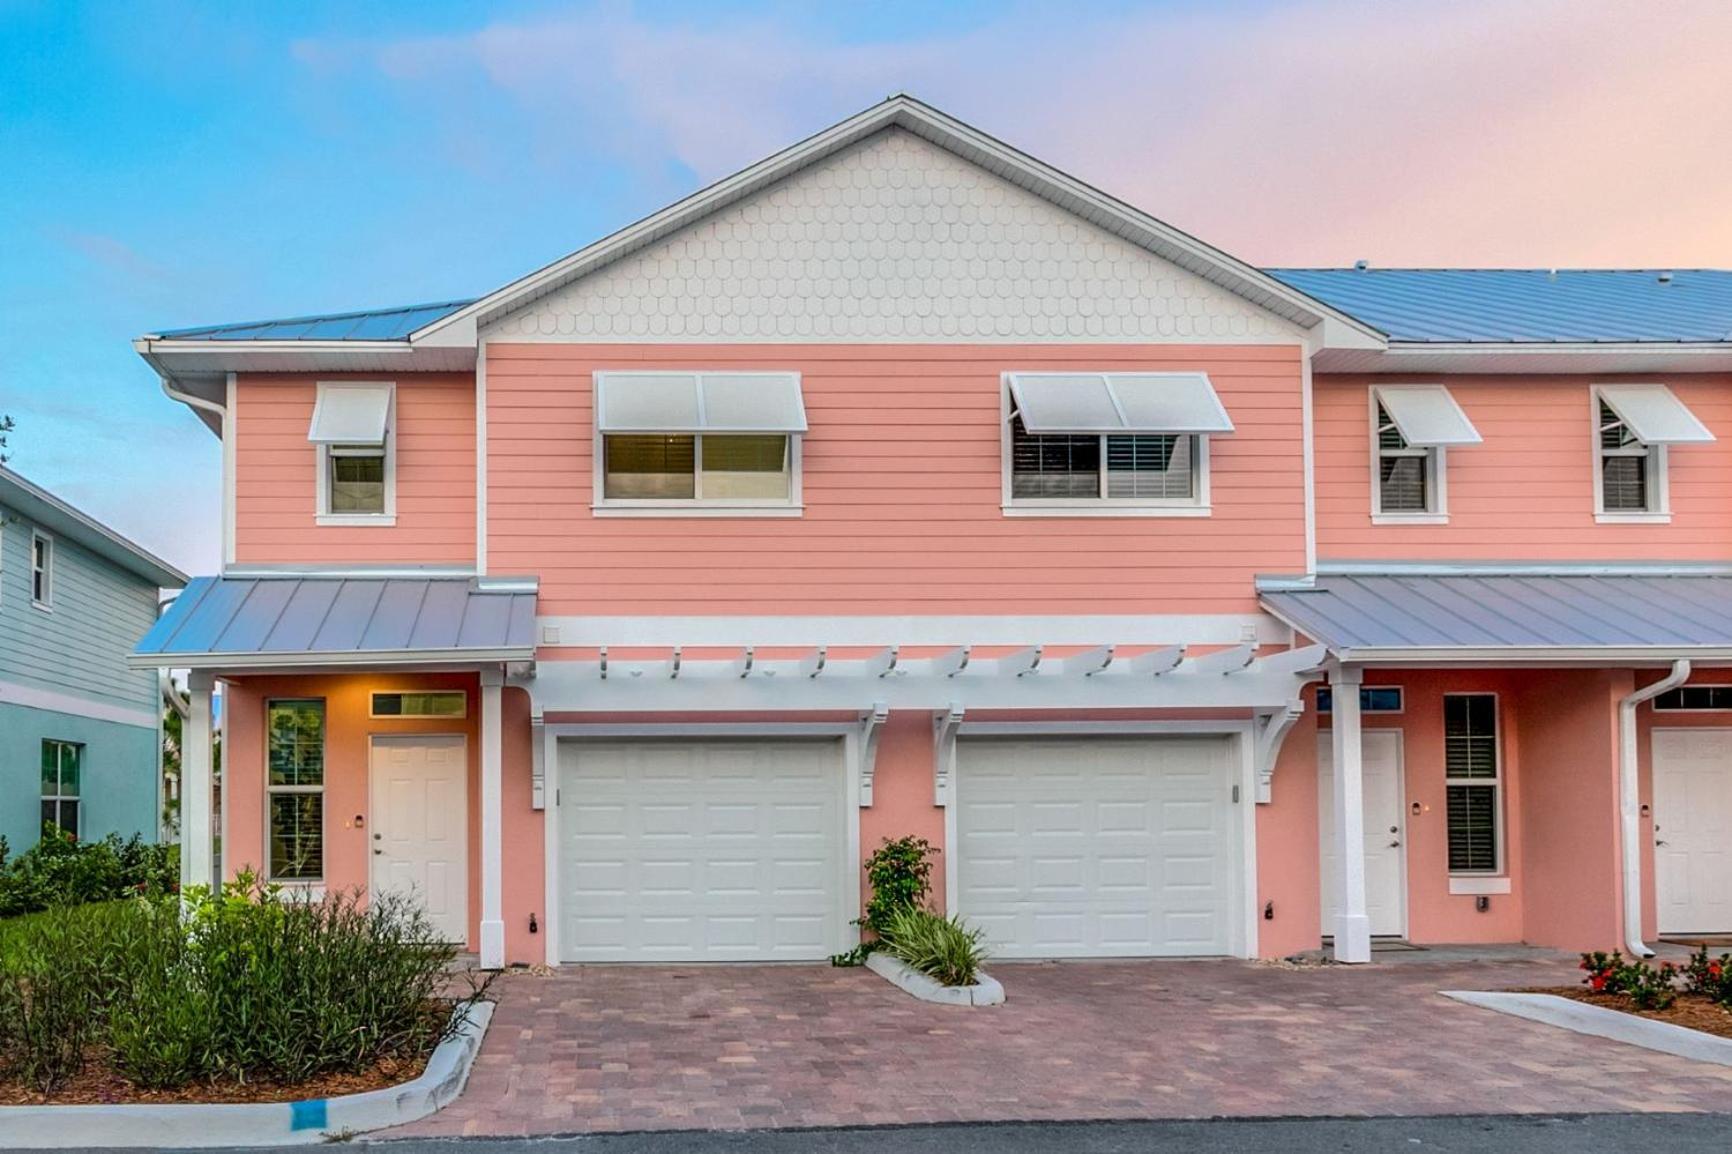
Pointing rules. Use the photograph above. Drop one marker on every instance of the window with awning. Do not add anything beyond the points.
(670, 439)
(1110, 439)
(1634, 426)
(351, 429)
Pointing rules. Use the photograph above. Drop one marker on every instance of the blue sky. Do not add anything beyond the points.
(174, 164)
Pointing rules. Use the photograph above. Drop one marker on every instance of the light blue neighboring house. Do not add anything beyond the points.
(80, 733)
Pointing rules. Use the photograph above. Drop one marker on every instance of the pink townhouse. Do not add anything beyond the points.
(901, 484)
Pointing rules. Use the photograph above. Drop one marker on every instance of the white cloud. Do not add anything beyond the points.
(1484, 131)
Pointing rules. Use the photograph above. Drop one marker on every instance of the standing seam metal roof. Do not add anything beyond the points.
(392, 324)
(1553, 611)
(1508, 306)
(218, 617)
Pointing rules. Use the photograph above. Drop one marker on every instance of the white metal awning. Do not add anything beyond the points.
(731, 402)
(1427, 416)
(350, 414)
(1655, 415)
(1118, 403)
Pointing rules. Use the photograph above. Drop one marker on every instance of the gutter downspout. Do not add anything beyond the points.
(1629, 803)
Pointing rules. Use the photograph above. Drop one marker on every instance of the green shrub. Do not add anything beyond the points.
(1648, 987)
(939, 947)
(60, 870)
(248, 984)
(1709, 977)
(899, 873)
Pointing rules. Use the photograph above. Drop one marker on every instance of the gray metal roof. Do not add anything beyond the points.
(1513, 306)
(392, 324)
(276, 621)
(1568, 616)
(32, 501)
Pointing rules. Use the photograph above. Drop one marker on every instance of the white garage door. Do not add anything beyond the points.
(1097, 846)
(701, 850)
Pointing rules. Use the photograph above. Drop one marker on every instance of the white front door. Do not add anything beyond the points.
(693, 851)
(1693, 830)
(1385, 875)
(420, 817)
(1098, 846)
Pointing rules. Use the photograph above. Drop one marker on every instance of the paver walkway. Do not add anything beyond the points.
(653, 1047)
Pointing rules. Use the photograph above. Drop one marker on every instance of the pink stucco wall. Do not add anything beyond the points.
(1526, 492)
(276, 474)
(348, 730)
(902, 485)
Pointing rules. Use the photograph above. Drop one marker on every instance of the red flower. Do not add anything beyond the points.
(1714, 970)
(1598, 982)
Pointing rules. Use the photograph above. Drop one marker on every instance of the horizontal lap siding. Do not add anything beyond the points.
(276, 489)
(1527, 492)
(902, 487)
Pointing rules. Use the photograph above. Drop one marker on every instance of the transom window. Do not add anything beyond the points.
(62, 769)
(1372, 699)
(295, 789)
(1472, 778)
(429, 703)
(1695, 697)
(1627, 466)
(1406, 474)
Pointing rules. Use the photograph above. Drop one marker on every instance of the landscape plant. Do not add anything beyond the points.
(899, 876)
(939, 947)
(1656, 987)
(60, 870)
(249, 984)
(897, 916)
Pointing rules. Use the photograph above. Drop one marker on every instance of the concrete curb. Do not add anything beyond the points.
(250, 1123)
(1603, 1023)
(985, 991)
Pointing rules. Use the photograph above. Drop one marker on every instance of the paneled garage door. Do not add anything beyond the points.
(701, 850)
(1097, 846)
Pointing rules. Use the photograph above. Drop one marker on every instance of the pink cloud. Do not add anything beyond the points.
(1499, 132)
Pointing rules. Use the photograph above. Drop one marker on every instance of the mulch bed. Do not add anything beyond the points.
(1689, 1010)
(99, 1084)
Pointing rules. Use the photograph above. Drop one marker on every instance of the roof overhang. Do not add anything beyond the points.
(45, 509)
(1515, 359)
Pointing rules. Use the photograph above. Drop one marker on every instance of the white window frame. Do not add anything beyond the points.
(322, 509)
(275, 790)
(1197, 505)
(1659, 510)
(46, 569)
(1499, 823)
(697, 505)
(1436, 477)
(373, 705)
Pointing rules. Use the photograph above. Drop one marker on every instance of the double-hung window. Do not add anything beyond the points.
(355, 444)
(1412, 428)
(295, 790)
(62, 767)
(1473, 770)
(691, 443)
(1109, 442)
(41, 571)
(1634, 425)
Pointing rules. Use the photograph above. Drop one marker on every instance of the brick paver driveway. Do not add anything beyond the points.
(642, 1047)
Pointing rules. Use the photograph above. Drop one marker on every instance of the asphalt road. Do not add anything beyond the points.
(1502, 1134)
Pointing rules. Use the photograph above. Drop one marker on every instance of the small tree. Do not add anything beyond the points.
(6, 426)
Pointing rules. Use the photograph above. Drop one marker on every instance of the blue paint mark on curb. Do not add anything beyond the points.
(308, 1115)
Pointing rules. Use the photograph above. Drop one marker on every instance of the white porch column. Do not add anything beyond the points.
(1352, 925)
(197, 859)
(492, 813)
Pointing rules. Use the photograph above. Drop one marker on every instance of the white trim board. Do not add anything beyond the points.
(1080, 629)
(53, 701)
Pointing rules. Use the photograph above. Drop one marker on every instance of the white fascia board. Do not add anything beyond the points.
(1501, 569)
(1541, 357)
(1536, 656)
(290, 659)
(970, 144)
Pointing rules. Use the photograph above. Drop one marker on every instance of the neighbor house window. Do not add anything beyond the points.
(62, 768)
(295, 789)
(435, 703)
(682, 441)
(41, 570)
(1406, 474)
(1472, 774)
(1628, 467)
(354, 438)
(1076, 442)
